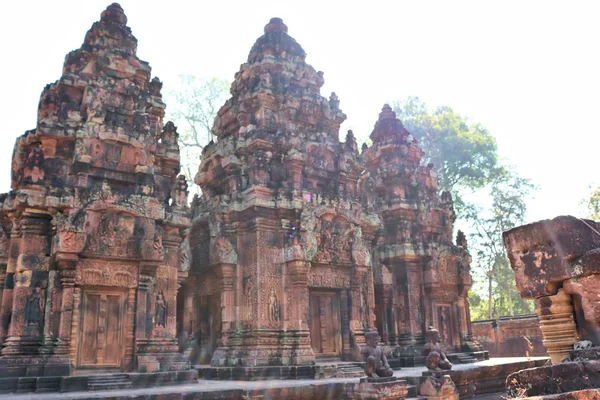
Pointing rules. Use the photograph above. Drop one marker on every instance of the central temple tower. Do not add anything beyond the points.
(295, 231)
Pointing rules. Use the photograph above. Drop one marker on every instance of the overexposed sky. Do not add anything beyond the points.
(528, 70)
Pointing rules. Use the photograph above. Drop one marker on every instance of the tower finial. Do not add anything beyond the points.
(276, 25)
(114, 13)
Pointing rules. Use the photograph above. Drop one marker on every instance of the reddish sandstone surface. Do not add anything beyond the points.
(302, 242)
(91, 236)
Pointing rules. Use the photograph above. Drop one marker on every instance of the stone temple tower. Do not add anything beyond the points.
(91, 234)
(301, 243)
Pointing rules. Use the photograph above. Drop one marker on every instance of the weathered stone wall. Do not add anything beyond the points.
(518, 336)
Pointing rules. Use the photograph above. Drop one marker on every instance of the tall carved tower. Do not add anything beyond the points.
(301, 243)
(96, 216)
(421, 276)
(279, 243)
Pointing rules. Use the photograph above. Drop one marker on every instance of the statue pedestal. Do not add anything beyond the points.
(378, 389)
(438, 388)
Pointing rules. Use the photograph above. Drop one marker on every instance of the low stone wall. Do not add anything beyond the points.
(518, 336)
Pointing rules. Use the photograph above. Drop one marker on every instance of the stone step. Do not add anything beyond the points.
(466, 359)
(354, 370)
(110, 386)
(74, 384)
(48, 384)
(109, 382)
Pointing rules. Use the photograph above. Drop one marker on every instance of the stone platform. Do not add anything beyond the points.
(95, 381)
(484, 377)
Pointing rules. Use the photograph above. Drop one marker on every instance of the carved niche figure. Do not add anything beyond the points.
(274, 308)
(157, 246)
(169, 134)
(161, 310)
(34, 167)
(180, 192)
(376, 364)
(155, 86)
(248, 298)
(334, 102)
(436, 357)
(461, 239)
(265, 78)
(35, 306)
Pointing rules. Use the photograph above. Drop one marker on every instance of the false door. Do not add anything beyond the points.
(446, 326)
(101, 329)
(325, 326)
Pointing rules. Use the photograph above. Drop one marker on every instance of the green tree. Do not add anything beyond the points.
(193, 107)
(466, 157)
(508, 193)
(465, 154)
(592, 204)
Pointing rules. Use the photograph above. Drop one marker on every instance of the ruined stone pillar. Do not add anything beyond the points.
(557, 325)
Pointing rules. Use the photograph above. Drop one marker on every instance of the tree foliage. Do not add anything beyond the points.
(464, 153)
(508, 194)
(466, 157)
(195, 106)
(592, 204)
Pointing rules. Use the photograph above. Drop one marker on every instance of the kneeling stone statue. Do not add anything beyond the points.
(376, 364)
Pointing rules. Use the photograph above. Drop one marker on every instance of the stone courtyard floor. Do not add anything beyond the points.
(232, 389)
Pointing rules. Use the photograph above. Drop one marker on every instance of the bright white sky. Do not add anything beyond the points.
(529, 71)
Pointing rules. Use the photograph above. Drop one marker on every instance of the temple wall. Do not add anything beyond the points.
(518, 336)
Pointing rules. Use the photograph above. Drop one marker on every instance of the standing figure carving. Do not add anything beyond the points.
(35, 306)
(161, 310)
(274, 309)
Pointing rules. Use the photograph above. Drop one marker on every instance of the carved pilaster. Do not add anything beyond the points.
(30, 293)
(557, 325)
(298, 273)
(143, 318)
(226, 275)
(67, 286)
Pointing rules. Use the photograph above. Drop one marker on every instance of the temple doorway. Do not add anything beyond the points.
(325, 323)
(101, 329)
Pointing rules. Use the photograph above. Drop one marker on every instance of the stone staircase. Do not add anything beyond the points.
(350, 370)
(109, 382)
(464, 358)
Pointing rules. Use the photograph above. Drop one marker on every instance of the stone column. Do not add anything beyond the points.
(384, 313)
(143, 318)
(9, 282)
(67, 282)
(31, 281)
(359, 314)
(226, 274)
(557, 325)
(414, 296)
(145, 361)
(297, 272)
